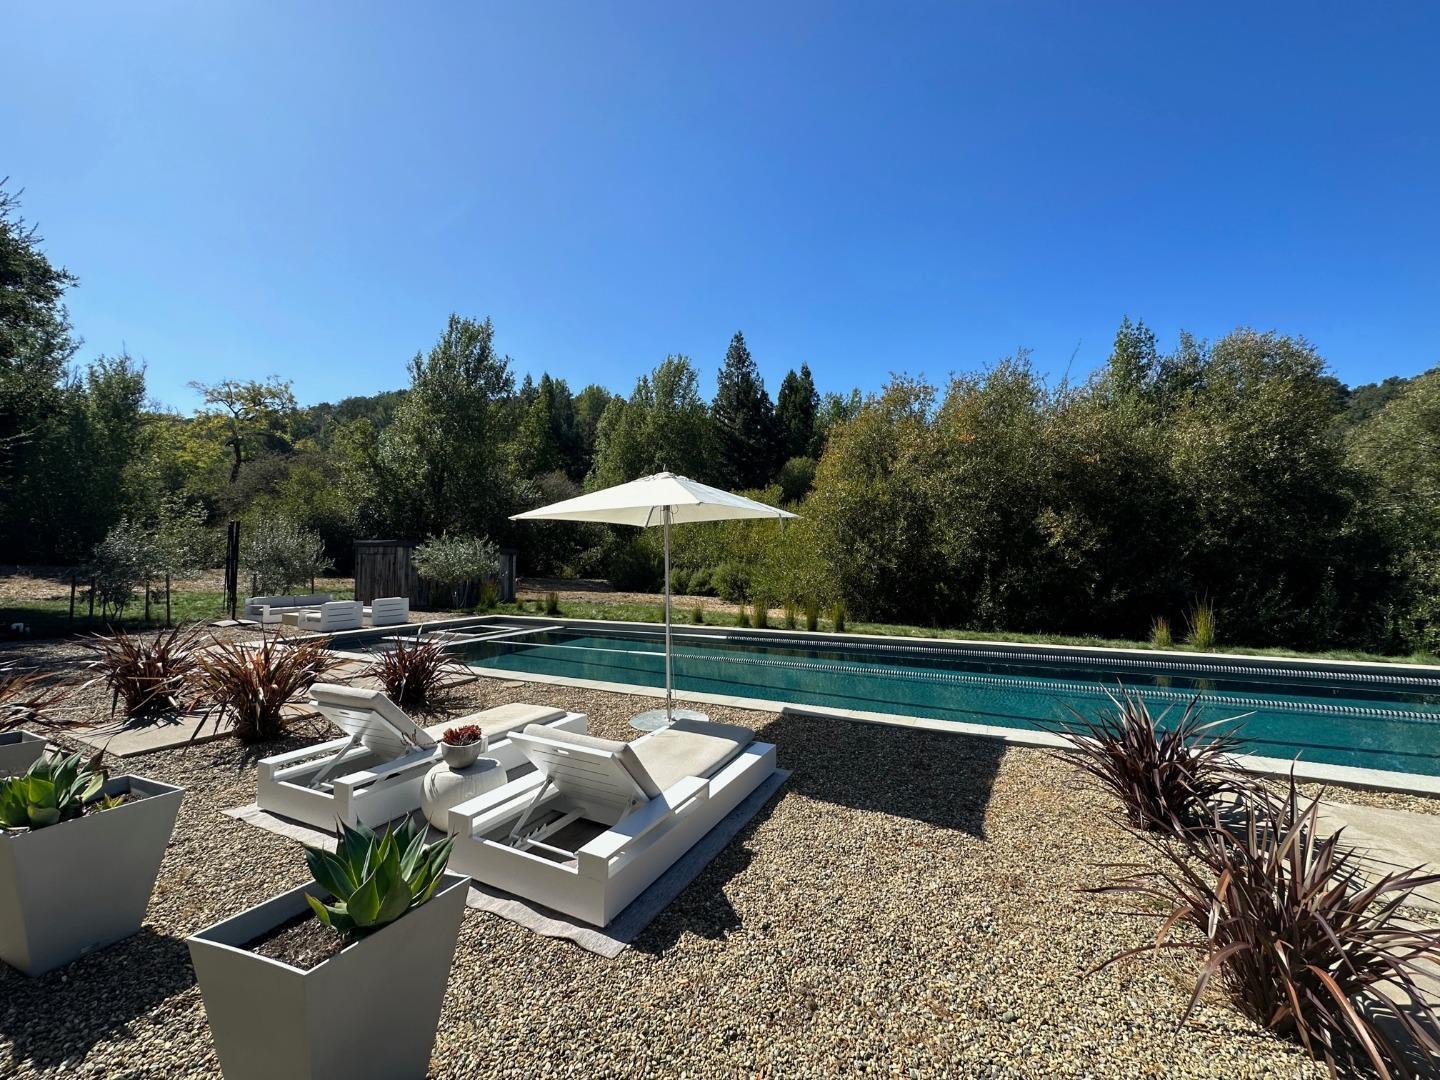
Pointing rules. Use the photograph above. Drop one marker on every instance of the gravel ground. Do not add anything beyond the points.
(907, 904)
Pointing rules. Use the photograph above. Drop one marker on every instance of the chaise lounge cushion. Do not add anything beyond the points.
(660, 759)
(689, 748)
(348, 708)
(500, 721)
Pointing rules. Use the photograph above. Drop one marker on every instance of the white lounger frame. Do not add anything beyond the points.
(606, 874)
(367, 788)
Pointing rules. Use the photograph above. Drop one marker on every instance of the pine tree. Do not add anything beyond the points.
(795, 409)
(744, 421)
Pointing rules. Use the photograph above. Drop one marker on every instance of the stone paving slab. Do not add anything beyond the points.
(1398, 839)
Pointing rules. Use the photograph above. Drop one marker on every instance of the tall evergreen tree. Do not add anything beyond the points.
(744, 420)
(795, 409)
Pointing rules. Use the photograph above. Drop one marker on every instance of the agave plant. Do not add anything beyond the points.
(375, 879)
(253, 683)
(413, 675)
(147, 675)
(1300, 932)
(1166, 776)
(27, 701)
(52, 790)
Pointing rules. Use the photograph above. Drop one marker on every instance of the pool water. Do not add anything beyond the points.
(1337, 718)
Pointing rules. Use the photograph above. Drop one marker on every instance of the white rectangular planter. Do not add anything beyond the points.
(369, 1011)
(18, 751)
(71, 888)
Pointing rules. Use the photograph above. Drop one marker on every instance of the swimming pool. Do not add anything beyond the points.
(1354, 718)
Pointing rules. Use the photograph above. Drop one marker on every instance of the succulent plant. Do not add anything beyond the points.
(463, 735)
(375, 879)
(51, 791)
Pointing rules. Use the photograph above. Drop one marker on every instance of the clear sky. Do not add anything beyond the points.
(309, 189)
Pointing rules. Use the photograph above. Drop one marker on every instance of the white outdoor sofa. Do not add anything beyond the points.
(269, 608)
(388, 611)
(336, 615)
(372, 775)
(598, 821)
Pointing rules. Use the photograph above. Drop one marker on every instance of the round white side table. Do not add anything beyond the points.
(444, 787)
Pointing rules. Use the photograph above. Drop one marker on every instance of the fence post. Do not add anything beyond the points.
(89, 618)
(70, 621)
(167, 599)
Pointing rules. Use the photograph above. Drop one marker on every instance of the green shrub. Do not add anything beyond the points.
(812, 615)
(762, 612)
(552, 603)
(697, 615)
(700, 583)
(1160, 635)
(837, 618)
(731, 581)
(1201, 620)
(374, 880)
(742, 617)
(792, 615)
(489, 596)
(282, 555)
(679, 581)
(455, 561)
(636, 567)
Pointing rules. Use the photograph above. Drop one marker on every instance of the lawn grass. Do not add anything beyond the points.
(51, 618)
(680, 614)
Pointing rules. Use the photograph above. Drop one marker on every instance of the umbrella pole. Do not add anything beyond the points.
(665, 514)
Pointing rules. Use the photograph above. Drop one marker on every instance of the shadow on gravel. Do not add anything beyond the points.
(930, 776)
(703, 908)
(58, 1017)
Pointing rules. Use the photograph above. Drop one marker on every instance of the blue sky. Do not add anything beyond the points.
(309, 189)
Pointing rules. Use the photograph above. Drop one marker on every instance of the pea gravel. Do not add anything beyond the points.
(907, 905)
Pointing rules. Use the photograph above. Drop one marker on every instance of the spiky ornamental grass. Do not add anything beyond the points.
(1165, 775)
(253, 683)
(29, 700)
(414, 675)
(147, 675)
(1303, 936)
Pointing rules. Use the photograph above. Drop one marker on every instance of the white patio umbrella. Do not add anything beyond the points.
(663, 499)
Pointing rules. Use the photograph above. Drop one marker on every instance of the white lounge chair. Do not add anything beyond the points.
(336, 615)
(372, 775)
(599, 821)
(388, 611)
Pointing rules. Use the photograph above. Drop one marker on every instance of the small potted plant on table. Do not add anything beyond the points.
(461, 775)
(79, 853)
(342, 977)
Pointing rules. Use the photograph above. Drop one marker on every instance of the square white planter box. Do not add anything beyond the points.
(369, 1011)
(78, 886)
(18, 751)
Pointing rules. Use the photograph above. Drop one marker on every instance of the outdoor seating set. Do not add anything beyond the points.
(323, 615)
(550, 814)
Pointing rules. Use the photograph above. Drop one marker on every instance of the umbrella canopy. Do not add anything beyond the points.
(663, 499)
(642, 502)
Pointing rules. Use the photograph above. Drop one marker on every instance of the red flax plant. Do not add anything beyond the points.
(146, 675)
(27, 700)
(253, 683)
(413, 675)
(1165, 775)
(1304, 939)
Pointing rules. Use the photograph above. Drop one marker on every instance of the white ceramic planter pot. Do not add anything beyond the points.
(78, 886)
(18, 751)
(461, 757)
(369, 1011)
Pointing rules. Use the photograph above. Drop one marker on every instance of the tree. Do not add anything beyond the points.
(254, 414)
(662, 425)
(283, 555)
(744, 421)
(442, 462)
(795, 410)
(455, 561)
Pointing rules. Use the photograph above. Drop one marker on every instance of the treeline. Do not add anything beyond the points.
(1238, 471)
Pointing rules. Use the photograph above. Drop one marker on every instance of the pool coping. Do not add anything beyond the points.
(1352, 776)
